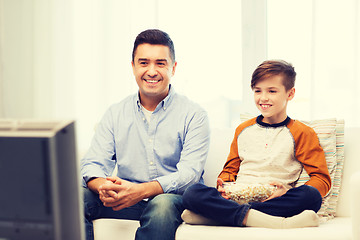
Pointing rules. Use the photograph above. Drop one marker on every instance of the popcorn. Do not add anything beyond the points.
(244, 193)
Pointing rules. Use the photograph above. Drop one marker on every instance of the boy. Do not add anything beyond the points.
(271, 148)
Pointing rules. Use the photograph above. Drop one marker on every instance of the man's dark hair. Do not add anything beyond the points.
(273, 68)
(154, 37)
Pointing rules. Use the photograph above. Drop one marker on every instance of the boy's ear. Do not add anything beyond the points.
(291, 94)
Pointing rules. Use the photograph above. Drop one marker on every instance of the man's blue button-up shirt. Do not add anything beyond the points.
(171, 148)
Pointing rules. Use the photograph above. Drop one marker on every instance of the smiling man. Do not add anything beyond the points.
(153, 68)
(156, 139)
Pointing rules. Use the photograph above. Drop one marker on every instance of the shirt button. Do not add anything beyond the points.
(150, 140)
(143, 119)
(151, 163)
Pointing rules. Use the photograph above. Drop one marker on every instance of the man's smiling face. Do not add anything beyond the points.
(153, 69)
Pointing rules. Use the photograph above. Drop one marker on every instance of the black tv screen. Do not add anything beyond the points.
(39, 181)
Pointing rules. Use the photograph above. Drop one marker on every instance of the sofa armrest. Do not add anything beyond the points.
(355, 206)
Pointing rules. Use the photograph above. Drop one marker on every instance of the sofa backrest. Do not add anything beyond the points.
(220, 147)
(351, 165)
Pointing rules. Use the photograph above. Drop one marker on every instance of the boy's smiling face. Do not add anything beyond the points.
(271, 99)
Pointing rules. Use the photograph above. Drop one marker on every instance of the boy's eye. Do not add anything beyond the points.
(272, 91)
(161, 64)
(143, 63)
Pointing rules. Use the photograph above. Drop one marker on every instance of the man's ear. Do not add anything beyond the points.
(291, 93)
(133, 66)
(173, 69)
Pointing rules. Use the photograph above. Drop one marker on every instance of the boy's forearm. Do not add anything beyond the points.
(322, 184)
(230, 170)
(227, 176)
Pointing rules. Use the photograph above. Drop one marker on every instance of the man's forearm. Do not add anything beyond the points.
(151, 189)
(95, 183)
(145, 190)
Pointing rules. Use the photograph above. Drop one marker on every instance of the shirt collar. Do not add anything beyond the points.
(163, 104)
(261, 123)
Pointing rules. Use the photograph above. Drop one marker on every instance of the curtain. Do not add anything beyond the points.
(335, 57)
(321, 39)
(2, 100)
(72, 59)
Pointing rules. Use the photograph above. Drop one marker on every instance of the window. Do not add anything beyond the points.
(321, 39)
(75, 56)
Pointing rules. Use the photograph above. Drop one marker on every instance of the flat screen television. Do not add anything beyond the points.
(39, 181)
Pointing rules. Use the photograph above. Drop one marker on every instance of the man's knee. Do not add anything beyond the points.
(164, 204)
(161, 217)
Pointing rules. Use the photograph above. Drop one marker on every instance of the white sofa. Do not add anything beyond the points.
(345, 226)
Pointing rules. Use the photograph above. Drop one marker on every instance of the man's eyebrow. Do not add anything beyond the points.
(157, 60)
(142, 59)
(161, 60)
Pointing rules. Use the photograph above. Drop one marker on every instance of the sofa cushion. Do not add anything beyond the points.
(335, 229)
(331, 136)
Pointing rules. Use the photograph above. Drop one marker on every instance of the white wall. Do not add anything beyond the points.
(324, 47)
(17, 53)
(76, 56)
(71, 59)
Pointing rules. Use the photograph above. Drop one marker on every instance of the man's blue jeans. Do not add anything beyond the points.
(159, 217)
(208, 202)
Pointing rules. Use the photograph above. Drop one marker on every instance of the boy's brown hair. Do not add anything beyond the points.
(272, 68)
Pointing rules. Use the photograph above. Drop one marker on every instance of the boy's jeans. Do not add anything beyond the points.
(159, 217)
(208, 202)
